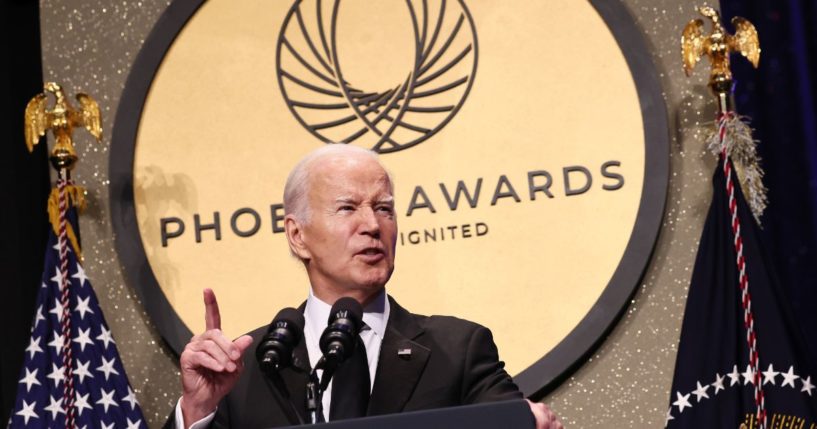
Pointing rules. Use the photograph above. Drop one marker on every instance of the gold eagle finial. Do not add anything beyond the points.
(718, 45)
(61, 120)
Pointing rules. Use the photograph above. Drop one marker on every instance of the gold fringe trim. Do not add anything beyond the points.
(76, 198)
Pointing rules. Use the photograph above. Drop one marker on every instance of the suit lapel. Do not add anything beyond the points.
(401, 363)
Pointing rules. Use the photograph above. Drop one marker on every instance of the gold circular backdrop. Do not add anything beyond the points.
(513, 131)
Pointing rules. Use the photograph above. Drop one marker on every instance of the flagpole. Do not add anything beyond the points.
(732, 131)
(61, 120)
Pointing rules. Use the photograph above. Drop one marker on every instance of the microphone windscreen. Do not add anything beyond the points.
(292, 317)
(347, 308)
(274, 351)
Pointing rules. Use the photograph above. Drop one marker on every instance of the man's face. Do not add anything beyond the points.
(351, 234)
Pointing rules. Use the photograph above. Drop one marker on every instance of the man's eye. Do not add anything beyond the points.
(385, 209)
(345, 208)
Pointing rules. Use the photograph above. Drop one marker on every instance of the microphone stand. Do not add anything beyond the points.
(315, 388)
(313, 398)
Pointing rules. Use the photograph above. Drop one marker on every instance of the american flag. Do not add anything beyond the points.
(102, 396)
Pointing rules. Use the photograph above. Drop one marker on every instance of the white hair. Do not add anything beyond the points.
(298, 182)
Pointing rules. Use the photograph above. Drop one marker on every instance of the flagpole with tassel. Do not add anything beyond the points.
(732, 142)
(61, 120)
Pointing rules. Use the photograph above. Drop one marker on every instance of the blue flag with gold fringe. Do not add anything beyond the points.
(714, 383)
(102, 396)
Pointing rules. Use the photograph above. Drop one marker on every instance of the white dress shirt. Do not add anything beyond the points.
(316, 315)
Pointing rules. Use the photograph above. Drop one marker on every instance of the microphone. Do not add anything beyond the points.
(274, 352)
(340, 337)
(337, 343)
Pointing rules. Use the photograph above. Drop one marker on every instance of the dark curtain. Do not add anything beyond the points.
(780, 97)
(25, 185)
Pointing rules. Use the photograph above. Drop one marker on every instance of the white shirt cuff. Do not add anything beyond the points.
(201, 424)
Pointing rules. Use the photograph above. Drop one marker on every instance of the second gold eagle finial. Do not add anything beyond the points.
(718, 45)
(61, 120)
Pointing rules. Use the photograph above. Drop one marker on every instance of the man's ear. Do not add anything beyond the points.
(295, 237)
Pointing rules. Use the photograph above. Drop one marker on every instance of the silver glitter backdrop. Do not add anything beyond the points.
(89, 45)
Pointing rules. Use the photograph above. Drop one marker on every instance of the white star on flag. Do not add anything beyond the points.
(57, 310)
(700, 392)
(81, 403)
(105, 337)
(104, 426)
(55, 407)
(769, 375)
(57, 342)
(81, 370)
(734, 376)
(39, 316)
(682, 402)
(57, 247)
(107, 399)
(57, 277)
(131, 398)
(80, 274)
(107, 367)
(82, 307)
(30, 379)
(807, 386)
(28, 411)
(57, 374)
(748, 375)
(718, 383)
(83, 338)
(789, 377)
(134, 425)
(34, 347)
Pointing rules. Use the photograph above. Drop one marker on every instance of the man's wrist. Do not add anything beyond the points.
(191, 413)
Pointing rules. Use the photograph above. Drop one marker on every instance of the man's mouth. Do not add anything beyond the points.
(371, 254)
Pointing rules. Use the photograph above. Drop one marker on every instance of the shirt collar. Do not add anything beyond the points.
(375, 315)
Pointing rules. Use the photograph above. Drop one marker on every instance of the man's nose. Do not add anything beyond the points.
(369, 223)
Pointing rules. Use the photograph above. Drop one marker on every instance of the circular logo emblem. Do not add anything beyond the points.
(336, 109)
(534, 212)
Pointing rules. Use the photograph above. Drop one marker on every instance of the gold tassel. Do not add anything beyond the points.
(76, 198)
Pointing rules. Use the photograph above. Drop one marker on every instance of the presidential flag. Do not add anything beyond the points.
(102, 396)
(715, 383)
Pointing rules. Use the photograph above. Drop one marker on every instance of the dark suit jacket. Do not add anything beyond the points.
(452, 362)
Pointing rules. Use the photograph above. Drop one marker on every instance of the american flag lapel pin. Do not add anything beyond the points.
(404, 353)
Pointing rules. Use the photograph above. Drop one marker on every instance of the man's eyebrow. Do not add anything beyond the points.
(386, 200)
(352, 200)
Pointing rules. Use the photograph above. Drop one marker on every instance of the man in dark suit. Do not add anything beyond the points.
(340, 223)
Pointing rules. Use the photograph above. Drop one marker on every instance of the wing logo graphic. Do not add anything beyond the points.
(383, 119)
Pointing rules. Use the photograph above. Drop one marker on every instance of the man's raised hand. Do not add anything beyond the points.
(210, 365)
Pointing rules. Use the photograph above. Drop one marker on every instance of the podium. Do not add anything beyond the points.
(514, 414)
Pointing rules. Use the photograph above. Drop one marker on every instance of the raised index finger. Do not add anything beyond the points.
(212, 317)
